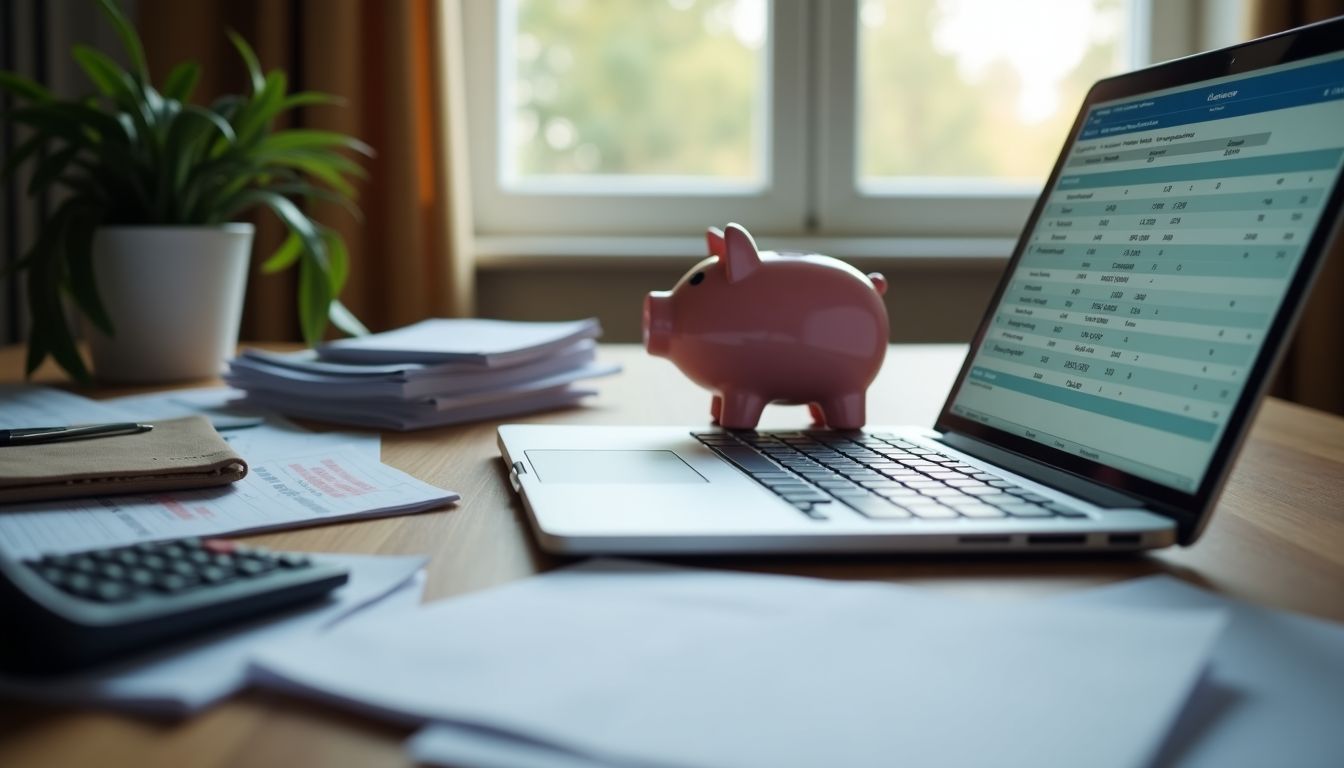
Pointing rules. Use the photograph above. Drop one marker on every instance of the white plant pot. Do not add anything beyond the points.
(175, 299)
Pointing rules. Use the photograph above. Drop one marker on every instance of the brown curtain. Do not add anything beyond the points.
(1313, 371)
(397, 64)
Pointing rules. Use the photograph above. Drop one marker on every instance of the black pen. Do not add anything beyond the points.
(38, 435)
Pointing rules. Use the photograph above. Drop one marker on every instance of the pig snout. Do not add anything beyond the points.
(658, 323)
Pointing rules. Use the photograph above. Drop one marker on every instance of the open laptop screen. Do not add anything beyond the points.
(1148, 285)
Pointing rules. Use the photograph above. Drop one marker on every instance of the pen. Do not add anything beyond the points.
(39, 435)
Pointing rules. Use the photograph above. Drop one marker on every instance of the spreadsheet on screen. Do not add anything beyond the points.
(1165, 248)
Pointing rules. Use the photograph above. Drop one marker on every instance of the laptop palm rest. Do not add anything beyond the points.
(612, 466)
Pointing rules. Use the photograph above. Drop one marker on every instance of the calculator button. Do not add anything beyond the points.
(212, 574)
(171, 582)
(302, 561)
(112, 571)
(78, 583)
(140, 577)
(53, 575)
(111, 592)
(254, 567)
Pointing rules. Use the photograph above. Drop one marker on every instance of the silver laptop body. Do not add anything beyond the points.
(1110, 384)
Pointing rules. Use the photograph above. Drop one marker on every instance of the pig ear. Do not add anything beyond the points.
(741, 258)
(715, 239)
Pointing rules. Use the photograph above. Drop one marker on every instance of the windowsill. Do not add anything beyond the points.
(530, 252)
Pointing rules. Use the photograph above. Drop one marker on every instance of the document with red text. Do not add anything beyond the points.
(338, 483)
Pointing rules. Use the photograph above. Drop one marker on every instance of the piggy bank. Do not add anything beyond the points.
(756, 327)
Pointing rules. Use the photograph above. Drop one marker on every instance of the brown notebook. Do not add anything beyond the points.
(176, 454)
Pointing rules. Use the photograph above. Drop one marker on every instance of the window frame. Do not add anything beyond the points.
(811, 188)
(635, 205)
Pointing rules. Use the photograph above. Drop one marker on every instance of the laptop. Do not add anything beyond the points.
(1108, 388)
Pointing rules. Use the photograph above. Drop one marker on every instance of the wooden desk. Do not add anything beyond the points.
(1277, 538)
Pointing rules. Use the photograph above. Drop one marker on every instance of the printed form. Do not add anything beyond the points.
(339, 483)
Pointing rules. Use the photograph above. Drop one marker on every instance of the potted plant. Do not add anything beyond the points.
(144, 241)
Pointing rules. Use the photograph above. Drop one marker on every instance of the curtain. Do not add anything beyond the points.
(397, 65)
(1313, 370)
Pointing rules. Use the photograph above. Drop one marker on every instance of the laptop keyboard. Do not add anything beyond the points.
(880, 476)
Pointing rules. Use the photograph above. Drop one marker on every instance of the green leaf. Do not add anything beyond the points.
(293, 218)
(338, 260)
(281, 141)
(79, 256)
(129, 39)
(50, 334)
(265, 106)
(188, 138)
(52, 123)
(110, 80)
(23, 88)
(318, 169)
(310, 99)
(345, 320)
(49, 168)
(285, 255)
(24, 151)
(182, 80)
(249, 57)
(315, 299)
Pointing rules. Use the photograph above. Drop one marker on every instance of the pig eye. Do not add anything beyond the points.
(697, 278)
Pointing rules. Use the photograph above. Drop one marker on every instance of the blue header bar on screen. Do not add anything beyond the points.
(1293, 88)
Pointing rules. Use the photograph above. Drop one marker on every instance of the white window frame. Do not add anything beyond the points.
(633, 205)
(811, 192)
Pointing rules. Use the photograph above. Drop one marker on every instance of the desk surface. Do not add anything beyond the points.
(1277, 538)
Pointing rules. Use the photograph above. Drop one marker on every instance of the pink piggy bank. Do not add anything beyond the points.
(756, 327)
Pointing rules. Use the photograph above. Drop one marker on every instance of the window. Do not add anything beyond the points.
(830, 118)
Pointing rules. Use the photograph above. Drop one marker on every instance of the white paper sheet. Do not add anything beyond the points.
(296, 376)
(315, 488)
(25, 405)
(364, 414)
(188, 677)
(1274, 693)
(637, 664)
(486, 342)
(268, 436)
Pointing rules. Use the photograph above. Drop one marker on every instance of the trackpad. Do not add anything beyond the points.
(611, 467)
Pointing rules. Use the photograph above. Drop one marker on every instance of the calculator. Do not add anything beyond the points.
(70, 611)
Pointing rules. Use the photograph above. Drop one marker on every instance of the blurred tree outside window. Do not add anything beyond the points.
(950, 89)
(636, 87)
(979, 88)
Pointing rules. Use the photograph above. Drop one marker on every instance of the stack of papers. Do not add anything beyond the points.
(611, 663)
(430, 374)
(296, 478)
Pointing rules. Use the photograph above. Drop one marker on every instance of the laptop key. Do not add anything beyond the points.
(1024, 509)
(875, 507)
(980, 511)
(932, 511)
(747, 459)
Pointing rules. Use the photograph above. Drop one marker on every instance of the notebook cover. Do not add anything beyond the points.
(176, 454)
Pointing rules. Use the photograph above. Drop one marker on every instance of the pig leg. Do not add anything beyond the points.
(844, 411)
(818, 416)
(716, 408)
(741, 410)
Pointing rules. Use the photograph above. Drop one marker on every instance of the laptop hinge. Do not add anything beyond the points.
(1042, 473)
